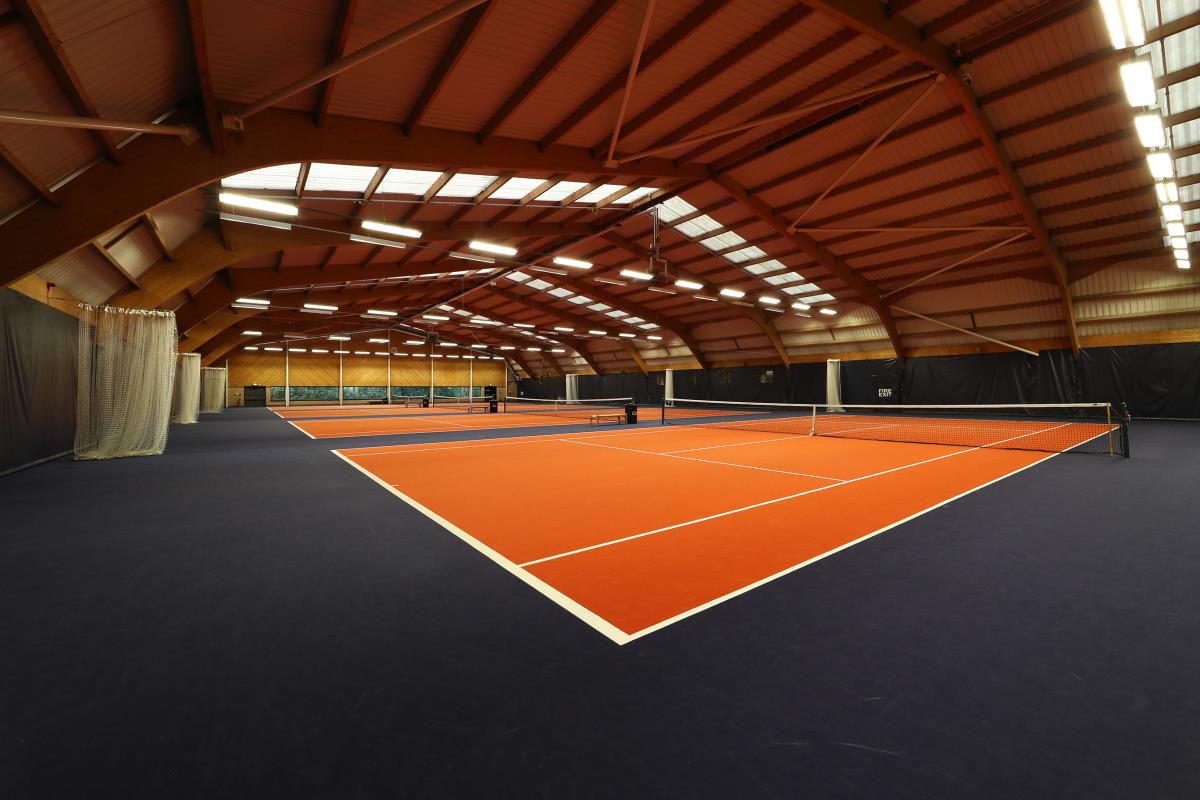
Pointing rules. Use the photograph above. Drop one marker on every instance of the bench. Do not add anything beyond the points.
(617, 416)
(482, 408)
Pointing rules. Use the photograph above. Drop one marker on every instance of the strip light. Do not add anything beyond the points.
(829, 312)
(253, 301)
(734, 293)
(1172, 212)
(636, 275)
(685, 284)
(265, 223)
(598, 333)
(435, 317)
(360, 239)
(395, 230)
(563, 261)
(319, 307)
(801, 306)
(1138, 79)
(1150, 130)
(1161, 164)
(770, 301)
(1123, 18)
(378, 341)
(251, 333)
(1168, 192)
(413, 342)
(1175, 229)
(339, 338)
(258, 204)
(489, 247)
(472, 257)
(381, 313)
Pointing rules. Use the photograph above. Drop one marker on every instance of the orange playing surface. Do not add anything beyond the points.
(437, 422)
(636, 528)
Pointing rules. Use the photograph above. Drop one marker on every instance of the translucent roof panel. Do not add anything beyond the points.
(338, 178)
(763, 267)
(519, 277)
(745, 254)
(818, 298)
(802, 289)
(559, 292)
(516, 188)
(539, 284)
(580, 300)
(281, 176)
(615, 314)
(674, 208)
(465, 184)
(560, 191)
(786, 277)
(407, 181)
(698, 226)
(723, 241)
(600, 192)
(598, 307)
(635, 195)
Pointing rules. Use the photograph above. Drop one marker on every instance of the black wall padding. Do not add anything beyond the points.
(544, 388)
(38, 365)
(1160, 380)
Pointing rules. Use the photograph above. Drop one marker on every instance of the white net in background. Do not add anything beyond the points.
(126, 381)
(212, 390)
(185, 409)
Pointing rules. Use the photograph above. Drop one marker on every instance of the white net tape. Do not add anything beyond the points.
(126, 381)
(186, 407)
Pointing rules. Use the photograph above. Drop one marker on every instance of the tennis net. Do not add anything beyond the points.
(1048, 427)
(571, 409)
(453, 400)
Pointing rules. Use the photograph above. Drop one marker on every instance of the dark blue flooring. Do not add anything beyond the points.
(248, 616)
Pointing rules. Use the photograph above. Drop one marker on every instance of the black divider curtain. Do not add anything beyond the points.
(38, 365)
(1161, 380)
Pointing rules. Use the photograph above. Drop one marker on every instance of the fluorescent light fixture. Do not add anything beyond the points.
(598, 333)
(339, 338)
(1175, 229)
(1179, 242)
(1138, 78)
(471, 257)
(770, 301)
(315, 350)
(381, 313)
(1123, 18)
(395, 230)
(249, 348)
(258, 204)
(319, 307)
(360, 239)
(508, 347)
(294, 336)
(548, 270)
(657, 290)
(563, 328)
(244, 306)
(563, 261)
(378, 341)
(447, 344)
(435, 355)
(418, 355)
(479, 346)
(315, 311)
(801, 306)
(1167, 192)
(829, 312)
(685, 284)
(523, 325)
(557, 350)
(705, 298)
(611, 281)
(398, 353)
(412, 342)
(435, 317)
(253, 301)
(274, 349)
(483, 321)
(1161, 164)
(735, 293)
(342, 352)
(381, 352)
(489, 247)
(1150, 130)
(362, 352)
(1183, 263)
(534, 349)
(251, 333)
(1172, 212)
(297, 350)
(1181, 255)
(266, 223)
(627, 335)
(636, 275)
(654, 338)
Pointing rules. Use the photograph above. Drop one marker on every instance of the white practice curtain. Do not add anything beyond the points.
(572, 383)
(833, 384)
(185, 409)
(126, 382)
(212, 389)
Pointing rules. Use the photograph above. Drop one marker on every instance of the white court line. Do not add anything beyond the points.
(391, 432)
(706, 461)
(793, 437)
(568, 604)
(769, 502)
(297, 427)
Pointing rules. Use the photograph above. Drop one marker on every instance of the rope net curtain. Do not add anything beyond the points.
(186, 407)
(833, 384)
(126, 381)
(212, 389)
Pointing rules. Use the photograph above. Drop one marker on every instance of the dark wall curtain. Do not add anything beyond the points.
(38, 365)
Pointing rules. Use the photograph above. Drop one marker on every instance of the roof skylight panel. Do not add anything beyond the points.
(601, 192)
(280, 176)
(801, 289)
(519, 277)
(598, 307)
(560, 292)
(559, 191)
(647, 326)
(465, 184)
(818, 298)
(634, 320)
(616, 314)
(698, 226)
(516, 188)
(635, 195)
(723, 241)
(338, 178)
(745, 254)
(674, 208)
(539, 284)
(764, 267)
(786, 277)
(407, 181)
(580, 300)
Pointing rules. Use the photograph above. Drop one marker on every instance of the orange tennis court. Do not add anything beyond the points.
(325, 412)
(692, 515)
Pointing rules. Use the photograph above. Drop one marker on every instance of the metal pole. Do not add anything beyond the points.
(425, 23)
(341, 383)
(960, 262)
(964, 330)
(287, 377)
(185, 132)
(633, 68)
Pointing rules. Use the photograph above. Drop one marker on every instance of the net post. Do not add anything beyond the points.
(662, 420)
(1109, 425)
(1124, 430)
(812, 430)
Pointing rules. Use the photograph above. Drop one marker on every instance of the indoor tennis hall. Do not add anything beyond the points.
(599, 399)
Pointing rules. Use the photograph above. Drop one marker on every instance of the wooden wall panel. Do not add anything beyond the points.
(310, 370)
(266, 369)
(250, 369)
(410, 372)
(364, 371)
